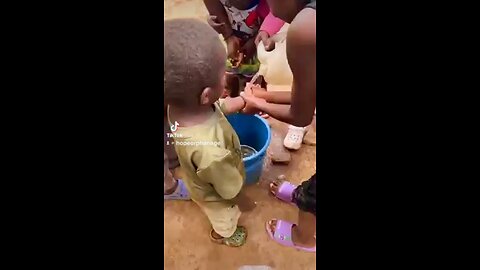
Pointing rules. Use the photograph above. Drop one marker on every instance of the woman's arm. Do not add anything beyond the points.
(276, 97)
(301, 54)
(302, 59)
(271, 25)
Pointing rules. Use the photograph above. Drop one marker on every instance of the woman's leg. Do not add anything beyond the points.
(303, 234)
(304, 196)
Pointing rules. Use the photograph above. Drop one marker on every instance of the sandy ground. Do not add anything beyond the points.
(187, 245)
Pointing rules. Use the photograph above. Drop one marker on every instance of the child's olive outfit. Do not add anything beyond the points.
(210, 156)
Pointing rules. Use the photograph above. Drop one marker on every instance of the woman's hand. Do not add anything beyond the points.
(267, 41)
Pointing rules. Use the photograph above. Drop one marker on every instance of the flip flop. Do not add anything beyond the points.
(285, 192)
(180, 193)
(283, 235)
(293, 139)
(238, 238)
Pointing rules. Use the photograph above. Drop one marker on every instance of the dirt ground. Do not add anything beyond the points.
(187, 244)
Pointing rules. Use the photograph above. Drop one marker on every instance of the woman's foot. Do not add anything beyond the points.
(275, 184)
(282, 189)
(293, 238)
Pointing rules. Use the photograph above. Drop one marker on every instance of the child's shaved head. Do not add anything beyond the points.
(194, 60)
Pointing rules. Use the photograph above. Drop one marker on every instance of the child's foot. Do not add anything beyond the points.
(282, 189)
(287, 234)
(294, 138)
(238, 238)
(177, 192)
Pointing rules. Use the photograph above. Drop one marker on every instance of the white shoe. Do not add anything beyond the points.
(294, 137)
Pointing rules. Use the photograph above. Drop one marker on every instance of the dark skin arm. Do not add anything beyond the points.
(301, 54)
(219, 21)
(218, 18)
(234, 105)
(277, 97)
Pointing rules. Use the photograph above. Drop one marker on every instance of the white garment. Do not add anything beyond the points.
(237, 18)
(274, 65)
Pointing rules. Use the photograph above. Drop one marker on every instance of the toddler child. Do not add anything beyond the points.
(207, 147)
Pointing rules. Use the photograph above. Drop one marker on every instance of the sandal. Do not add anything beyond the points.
(294, 138)
(283, 235)
(180, 193)
(238, 238)
(285, 192)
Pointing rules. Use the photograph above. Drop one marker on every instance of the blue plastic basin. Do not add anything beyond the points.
(254, 131)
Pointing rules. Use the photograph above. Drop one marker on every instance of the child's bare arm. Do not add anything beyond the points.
(232, 105)
(218, 18)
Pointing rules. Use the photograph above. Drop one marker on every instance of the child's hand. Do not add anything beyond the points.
(220, 27)
(253, 104)
(249, 49)
(233, 47)
(248, 91)
(267, 41)
(252, 89)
